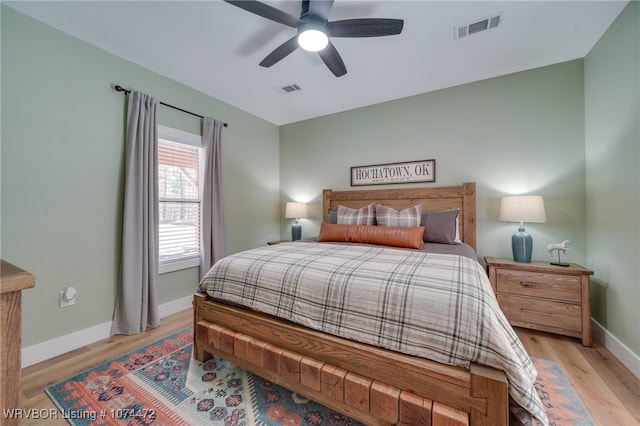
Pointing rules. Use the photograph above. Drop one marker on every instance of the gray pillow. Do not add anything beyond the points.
(333, 217)
(440, 226)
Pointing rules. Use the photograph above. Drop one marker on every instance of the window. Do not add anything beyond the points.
(179, 199)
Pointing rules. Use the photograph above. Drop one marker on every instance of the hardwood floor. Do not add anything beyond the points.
(609, 391)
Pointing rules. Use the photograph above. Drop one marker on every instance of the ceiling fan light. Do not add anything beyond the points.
(313, 40)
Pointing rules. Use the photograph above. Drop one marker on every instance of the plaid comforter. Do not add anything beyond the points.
(436, 306)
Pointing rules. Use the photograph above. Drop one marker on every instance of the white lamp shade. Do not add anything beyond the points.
(522, 208)
(296, 211)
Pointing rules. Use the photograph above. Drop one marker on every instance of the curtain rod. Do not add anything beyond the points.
(119, 88)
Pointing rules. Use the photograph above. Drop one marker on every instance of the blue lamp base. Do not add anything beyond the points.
(296, 231)
(522, 246)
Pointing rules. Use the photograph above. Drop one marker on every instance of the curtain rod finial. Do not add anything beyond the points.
(119, 88)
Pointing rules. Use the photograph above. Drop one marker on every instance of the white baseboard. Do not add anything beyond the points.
(63, 344)
(618, 349)
(174, 306)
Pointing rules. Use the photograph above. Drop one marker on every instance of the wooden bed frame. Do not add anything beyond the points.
(370, 384)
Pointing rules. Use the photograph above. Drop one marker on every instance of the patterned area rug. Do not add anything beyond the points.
(558, 396)
(161, 384)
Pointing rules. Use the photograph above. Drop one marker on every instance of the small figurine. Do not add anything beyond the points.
(561, 247)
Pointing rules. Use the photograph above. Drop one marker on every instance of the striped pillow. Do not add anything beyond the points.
(387, 216)
(362, 216)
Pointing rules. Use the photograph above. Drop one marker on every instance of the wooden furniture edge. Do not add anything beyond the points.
(456, 196)
(13, 278)
(587, 333)
(397, 386)
(12, 281)
(538, 266)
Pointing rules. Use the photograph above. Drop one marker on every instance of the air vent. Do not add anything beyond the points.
(289, 88)
(478, 26)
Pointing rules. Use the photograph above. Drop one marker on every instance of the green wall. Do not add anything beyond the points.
(62, 171)
(612, 100)
(521, 133)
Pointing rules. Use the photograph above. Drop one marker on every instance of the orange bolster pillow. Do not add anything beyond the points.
(394, 236)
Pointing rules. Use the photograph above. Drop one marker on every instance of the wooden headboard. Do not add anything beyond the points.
(461, 197)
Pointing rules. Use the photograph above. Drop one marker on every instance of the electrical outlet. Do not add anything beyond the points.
(68, 297)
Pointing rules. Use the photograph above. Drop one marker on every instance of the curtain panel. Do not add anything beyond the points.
(137, 297)
(212, 226)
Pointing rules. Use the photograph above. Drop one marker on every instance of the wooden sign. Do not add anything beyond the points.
(406, 172)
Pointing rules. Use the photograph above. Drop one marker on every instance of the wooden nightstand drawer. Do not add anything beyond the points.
(539, 284)
(531, 313)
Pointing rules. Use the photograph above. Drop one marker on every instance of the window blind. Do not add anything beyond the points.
(179, 203)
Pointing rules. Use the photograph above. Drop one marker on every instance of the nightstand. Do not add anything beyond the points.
(541, 296)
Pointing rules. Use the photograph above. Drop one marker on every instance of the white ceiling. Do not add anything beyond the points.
(215, 47)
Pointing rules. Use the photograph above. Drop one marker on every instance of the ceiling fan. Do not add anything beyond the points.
(314, 30)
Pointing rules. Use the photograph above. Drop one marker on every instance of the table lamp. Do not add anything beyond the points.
(522, 208)
(295, 211)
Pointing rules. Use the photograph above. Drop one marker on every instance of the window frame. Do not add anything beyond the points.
(178, 136)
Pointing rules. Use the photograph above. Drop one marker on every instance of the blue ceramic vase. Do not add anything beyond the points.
(296, 231)
(522, 246)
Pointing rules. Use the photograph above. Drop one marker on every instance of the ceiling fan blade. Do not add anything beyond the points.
(332, 60)
(366, 27)
(320, 8)
(266, 11)
(280, 52)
